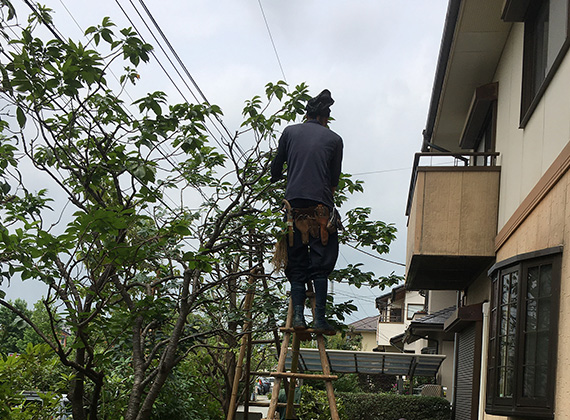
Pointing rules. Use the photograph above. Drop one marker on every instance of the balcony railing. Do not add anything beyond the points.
(394, 318)
(452, 222)
(465, 159)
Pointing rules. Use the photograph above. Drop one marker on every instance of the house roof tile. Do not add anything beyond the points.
(366, 324)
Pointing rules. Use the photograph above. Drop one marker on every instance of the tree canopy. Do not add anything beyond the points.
(157, 227)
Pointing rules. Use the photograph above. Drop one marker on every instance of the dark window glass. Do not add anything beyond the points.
(536, 332)
(508, 315)
(522, 340)
(546, 35)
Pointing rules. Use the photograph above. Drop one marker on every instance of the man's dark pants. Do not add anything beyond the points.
(313, 261)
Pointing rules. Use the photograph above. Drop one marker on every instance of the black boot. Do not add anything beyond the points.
(321, 324)
(298, 317)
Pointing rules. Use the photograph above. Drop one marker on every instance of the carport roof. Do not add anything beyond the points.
(347, 361)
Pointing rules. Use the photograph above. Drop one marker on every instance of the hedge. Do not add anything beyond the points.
(359, 406)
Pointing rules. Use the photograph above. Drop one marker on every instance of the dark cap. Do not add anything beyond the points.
(320, 104)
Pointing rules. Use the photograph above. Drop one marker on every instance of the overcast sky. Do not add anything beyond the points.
(377, 57)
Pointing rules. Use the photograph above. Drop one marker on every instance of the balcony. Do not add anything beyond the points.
(452, 221)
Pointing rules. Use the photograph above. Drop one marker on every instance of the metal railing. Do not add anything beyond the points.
(466, 159)
(396, 318)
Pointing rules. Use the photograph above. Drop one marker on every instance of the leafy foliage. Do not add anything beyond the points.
(314, 405)
(359, 406)
(34, 369)
(162, 233)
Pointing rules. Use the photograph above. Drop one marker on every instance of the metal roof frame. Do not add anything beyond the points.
(348, 361)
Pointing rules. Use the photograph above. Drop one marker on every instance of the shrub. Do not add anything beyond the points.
(358, 406)
(314, 405)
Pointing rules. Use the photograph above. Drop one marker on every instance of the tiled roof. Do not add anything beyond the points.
(366, 324)
(431, 322)
(436, 318)
(388, 294)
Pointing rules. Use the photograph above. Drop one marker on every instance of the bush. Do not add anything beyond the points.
(36, 369)
(314, 405)
(359, 406)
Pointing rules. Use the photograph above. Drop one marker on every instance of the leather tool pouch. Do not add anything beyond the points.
(322, 214)
(313, 221)
(303, 224)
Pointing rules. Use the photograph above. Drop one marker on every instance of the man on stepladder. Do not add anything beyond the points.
(313, 154)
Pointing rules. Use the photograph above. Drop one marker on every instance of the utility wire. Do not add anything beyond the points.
(83, 32)
(272, 42)
(220, 143)
(382, 171)
(376, 256)
(409, 168)
(182, 65)
(51, 27)
(154, 55)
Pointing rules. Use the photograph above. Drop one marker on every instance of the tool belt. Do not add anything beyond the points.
(316, 221)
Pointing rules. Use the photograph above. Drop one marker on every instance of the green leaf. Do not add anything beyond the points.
(21, 117)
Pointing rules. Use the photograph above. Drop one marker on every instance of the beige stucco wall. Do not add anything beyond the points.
(368, 341)
(445, 374)
(547, 226)
(526, 154)
(387, 330)
(441, 299)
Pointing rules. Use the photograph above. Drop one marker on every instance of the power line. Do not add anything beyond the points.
(409, 168)
(181, 63)
(154, 55)
(382, 171)
(51, 27)
(83, 32)
(220, 144)
(272, 42)
(376, 256)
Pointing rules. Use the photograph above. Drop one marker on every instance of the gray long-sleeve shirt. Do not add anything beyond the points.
(314, 157)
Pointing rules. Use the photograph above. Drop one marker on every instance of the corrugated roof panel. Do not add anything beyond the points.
(345, 361)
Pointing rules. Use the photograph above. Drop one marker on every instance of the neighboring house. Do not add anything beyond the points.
(487, 233)
(367, 329)
(397, 309)
(431, 329)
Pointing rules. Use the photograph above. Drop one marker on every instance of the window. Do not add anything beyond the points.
(413, 308)
(479, 130)
(395, 314)
(524, 326)
(390, 314)
(545, 43)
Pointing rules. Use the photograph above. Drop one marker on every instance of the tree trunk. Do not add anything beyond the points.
(135, 397)
(77, 389)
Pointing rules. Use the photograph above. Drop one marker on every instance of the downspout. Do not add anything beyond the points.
(455, 362)
(484, 352)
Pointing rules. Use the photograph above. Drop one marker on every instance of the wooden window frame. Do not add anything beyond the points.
(532, 94)
(517, 404)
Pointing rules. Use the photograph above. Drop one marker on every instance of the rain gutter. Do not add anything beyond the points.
(441, 70)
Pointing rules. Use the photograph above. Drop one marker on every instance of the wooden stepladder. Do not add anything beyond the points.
(293, 375)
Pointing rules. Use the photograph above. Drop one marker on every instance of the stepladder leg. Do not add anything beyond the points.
(293, 382)
(280, 366)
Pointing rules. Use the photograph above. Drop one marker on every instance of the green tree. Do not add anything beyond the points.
(14, 332)
(128, 267)
(35, 369)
